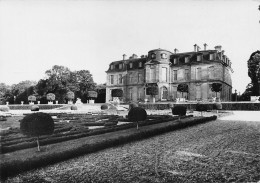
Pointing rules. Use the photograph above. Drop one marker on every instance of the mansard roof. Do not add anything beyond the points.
(126, 64)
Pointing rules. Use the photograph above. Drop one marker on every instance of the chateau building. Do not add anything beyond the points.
(166, 70)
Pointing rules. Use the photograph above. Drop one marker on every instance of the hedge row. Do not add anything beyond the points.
(247, 106)
(64, 152)
(28, 107)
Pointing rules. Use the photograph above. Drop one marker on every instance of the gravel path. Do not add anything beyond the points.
(226, 150)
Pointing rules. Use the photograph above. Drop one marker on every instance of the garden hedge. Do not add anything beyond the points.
(77, 148)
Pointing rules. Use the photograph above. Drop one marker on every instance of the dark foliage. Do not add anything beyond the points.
(253, 65)
(152, 90)
(37, 124)
(137, 114)
(201, 107)
(35, 108)
(216, 87)
(217, 106)
(104, 107)
(117, 93)
(183, 87)
(92, 94)
(73, 107)
(179, 110)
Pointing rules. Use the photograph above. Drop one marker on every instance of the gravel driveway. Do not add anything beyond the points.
(226, 150)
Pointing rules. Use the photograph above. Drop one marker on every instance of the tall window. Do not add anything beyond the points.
(111, 67)
(111, 79)
(130, 93)
(198, 73)
(120, 66)
(130, 78)
(211, 72)
(140, 90)
(120, 79)
(152, 74)
(139, 77)
(140, 64)
(164, 74)
(175, 75)
(211, 56)
(186, 74)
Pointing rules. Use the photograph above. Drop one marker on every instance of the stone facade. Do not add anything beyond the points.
(198, 69)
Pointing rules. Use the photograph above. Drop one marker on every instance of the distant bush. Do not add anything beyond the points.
(132, 105)
(32, 98)
(179, 110)
(37, 124)
(104, 107)
(201, 107)
(70, 95)
(50, 96)
(217, 106)
(35, 108)
(4, 108)
(73, 107)
(137, 114)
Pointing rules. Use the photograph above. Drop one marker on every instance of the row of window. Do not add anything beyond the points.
(113, 78)
(120, 66)
(212, 56)
(163, 55)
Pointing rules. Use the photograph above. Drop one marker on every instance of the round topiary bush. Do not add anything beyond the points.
(137, 114)
(132, 105)
(37, 124)
(104, 107)
(179, 110)
(50, 96)
(4, 108)
(35, 108)
(217, 106)
(32, 98)
(73, 107)
(201, 107)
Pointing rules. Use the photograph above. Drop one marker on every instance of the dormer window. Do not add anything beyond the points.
(175, 61)
(187, 59)
(111, 67)
(153, 56)
(199, 57)
(120, 66)
(163, 55)
(140, 64)
(211, 56)
(130, 65)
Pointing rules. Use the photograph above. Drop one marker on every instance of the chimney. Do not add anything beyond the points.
(195, 47)
(134, 56)
(124, 56)
(176, 50)
(205, 46)
(218, 48)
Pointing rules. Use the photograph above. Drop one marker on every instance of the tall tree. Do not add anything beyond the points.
(254, 71)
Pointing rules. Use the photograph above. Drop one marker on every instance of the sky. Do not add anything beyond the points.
(38, 34)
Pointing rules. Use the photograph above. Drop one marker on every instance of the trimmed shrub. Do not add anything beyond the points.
(35, 108)
(50, 96)
(92, 94)
(32, 98)
(217, 106)
(73, 107)
(37, 124)
(70, 95)
(201, 107)
(104, 107)
(132, 105)
(117, 93)
(137, 114)
(4, 108)
(179, 110)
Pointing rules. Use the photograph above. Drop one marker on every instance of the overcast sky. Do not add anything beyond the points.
(37, 34)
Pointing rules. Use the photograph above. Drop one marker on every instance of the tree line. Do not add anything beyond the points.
(58, 80)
